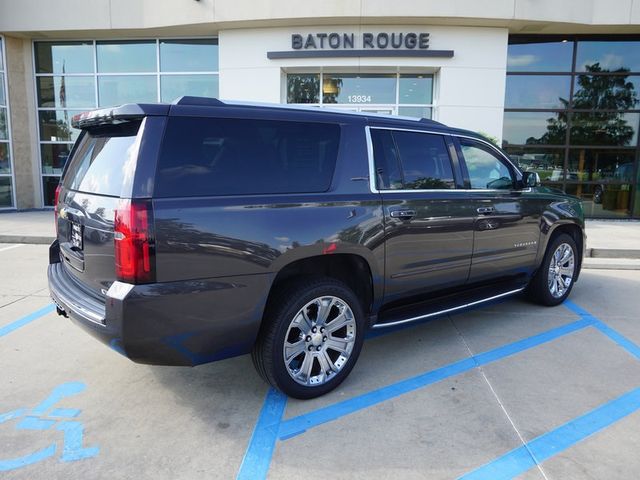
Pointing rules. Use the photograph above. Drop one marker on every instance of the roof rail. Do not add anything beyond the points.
(430, 121)
(201, 101)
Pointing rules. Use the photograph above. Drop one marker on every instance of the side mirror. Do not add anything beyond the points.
(530, 179)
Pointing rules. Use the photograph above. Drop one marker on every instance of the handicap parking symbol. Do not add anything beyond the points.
(44, 417)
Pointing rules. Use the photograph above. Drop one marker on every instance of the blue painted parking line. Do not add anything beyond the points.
(5, 330)
(298, 425)
(521, 459)
(257, 458)
(270, 426)
(624, 342)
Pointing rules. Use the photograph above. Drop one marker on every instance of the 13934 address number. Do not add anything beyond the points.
(359, 98)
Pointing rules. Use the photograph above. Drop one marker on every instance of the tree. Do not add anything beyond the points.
(303, 88)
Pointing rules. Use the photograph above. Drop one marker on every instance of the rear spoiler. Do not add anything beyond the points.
(115, 115)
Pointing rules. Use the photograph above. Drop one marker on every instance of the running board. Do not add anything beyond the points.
(399, 321)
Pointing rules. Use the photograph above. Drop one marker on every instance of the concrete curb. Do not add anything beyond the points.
(613, 253)
(29, 239)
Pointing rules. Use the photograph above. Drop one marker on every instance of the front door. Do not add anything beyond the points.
(428, 223)
(506, 227)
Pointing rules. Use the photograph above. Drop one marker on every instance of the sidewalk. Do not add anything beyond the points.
(610, 243)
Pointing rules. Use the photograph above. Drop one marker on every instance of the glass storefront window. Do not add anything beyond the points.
(118, 89)
(189, 55)
(415, 89)
(70, 73)
(604, 128)
(549, 163)
(601, 165)
(64, 57)
(417, 112)
(534, 128)
(6, 195)
(2, 96)
(55, 125)
(540, 56)
(54, 157)
(607, 92)
(357, 89)
(49, 185)
(537, 91)
(66, 92)
(4, 129)
(602, 200)
(174, 86)
(408, 95)
(5, 160)
(126, 56)
(608, 55)
(303, 88)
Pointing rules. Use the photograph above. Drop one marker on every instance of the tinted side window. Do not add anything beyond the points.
(226, 156)
(388, 174)
(425, 160)
(486, 169)
(101, 159)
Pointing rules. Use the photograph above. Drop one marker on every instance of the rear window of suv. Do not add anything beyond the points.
(99, 162)
(229, 156)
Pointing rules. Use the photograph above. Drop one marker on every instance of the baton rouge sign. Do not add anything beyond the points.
(382, 44)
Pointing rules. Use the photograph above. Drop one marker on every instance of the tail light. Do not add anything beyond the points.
(134, 241)
(56, 198)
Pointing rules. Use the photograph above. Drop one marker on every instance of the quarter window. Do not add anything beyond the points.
(411, 160)
(486, 170)
(228, 156)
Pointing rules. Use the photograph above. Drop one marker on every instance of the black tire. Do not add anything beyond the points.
(268, 351)
(539, 289)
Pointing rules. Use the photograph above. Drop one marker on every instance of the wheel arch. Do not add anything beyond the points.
(572, 228)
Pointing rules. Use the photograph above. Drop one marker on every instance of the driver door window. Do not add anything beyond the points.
(486, 170)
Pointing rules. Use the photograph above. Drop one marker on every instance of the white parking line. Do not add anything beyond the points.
(11, 247)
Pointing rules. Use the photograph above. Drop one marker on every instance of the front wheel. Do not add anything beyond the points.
(554, 280)
(311, 337)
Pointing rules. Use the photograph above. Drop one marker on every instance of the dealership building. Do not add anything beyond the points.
(555, 83)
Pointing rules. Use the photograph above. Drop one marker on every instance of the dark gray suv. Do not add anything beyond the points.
(196, 231)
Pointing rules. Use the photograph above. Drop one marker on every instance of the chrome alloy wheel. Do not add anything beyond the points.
(319, 340)
(561, 270)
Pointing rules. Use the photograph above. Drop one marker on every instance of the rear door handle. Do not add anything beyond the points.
(403, 214)
(486, 210)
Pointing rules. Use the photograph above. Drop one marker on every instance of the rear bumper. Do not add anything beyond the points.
(174, 323)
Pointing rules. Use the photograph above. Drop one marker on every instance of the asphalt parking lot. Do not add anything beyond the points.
(511, 390)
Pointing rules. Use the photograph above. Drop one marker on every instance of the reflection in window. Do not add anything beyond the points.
(54, 156)
(536, 91)
(606, 92)
(119, 89)
(534, 128)
(67, 57)
(5, 160)
(486, 171)
(603, 200)
(608, 55)
(604, 128)
(595, 165)
(175, 86)
(303, 88)
(55, 125)
(66, 92)
(359, 89)
(6, 197)
(49, 185)
(415, 89)
(548, 163)
(540, 57)
(199, 55)
(126, 56)
(4, 131)
(425, 161)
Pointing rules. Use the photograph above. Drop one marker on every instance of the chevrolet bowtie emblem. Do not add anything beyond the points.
(63, 213)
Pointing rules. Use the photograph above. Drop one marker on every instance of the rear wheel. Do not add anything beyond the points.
(554, 280)
(311, 337)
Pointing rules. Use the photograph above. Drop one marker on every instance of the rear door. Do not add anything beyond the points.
(506, 227)
(103, 160)
(428, 222)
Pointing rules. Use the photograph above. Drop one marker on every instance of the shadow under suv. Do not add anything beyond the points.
(196, 231)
